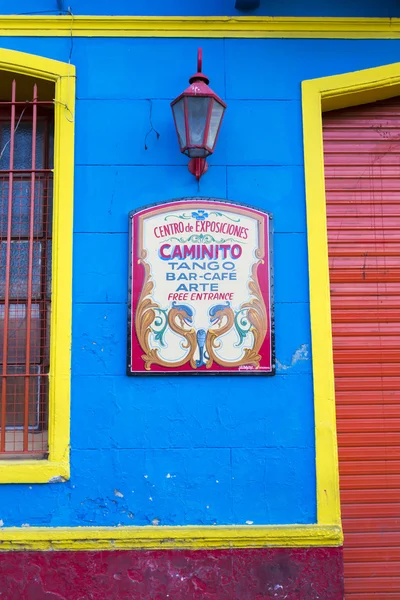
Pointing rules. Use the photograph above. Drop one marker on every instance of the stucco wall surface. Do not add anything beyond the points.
(349, 8)
(184, 450)
(179, 575)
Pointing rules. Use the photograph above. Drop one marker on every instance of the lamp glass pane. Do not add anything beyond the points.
(197, 152)
(217, 112)
(197, 118)
(179, 114)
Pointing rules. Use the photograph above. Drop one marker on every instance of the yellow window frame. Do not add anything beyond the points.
(56, 466)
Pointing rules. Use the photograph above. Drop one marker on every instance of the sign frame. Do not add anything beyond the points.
(131, 327)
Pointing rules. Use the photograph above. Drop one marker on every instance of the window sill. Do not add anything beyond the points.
(33, 471)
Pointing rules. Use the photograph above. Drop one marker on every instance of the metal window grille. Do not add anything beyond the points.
(26, 183)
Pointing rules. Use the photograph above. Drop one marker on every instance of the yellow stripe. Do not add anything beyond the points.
(328, 500)
(34, 66)
(125, 538)
(61, 311)
(201, 27)
(327, 93)
(57, 465)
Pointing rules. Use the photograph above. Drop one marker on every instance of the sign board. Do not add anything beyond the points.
(200, 289)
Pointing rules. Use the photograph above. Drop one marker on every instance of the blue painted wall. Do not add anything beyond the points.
(180, 450)
(339, 8)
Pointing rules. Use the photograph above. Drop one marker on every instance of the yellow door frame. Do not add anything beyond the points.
(320, 95)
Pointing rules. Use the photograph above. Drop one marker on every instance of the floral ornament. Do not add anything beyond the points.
(200, 215)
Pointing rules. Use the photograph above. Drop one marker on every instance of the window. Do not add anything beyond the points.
(36, 193)
(26, 180)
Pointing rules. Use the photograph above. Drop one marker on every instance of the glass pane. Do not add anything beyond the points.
(26, 388)
(19, 261)
(178, 110)
(197, 152)
(16, 350)
(21, 203)
(46, 339)
(50, 157)
(23, 145)
(48, 199)
(48, 269)
(216, 117)
(197, 117)
(15, 398)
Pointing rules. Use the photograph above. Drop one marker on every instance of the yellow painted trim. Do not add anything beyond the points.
(126, 538)
(200, 27)
(56, 468)
(35, 66)
(319, 95)
(327, 473)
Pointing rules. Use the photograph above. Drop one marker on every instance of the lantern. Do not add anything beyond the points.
(198, 114)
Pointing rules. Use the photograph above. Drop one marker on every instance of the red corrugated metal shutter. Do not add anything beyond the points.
(362, 170)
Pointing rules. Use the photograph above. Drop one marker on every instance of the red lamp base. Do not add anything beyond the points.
(197, 167)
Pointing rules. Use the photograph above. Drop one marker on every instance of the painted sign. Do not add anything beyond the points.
(200, 289)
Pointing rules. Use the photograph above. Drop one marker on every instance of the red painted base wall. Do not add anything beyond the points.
(261, 574)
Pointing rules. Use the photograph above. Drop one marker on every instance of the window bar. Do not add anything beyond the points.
(8, 262)
(30, 274)
(46, 235)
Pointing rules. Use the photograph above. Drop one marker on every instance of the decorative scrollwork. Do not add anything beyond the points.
(219, 214)
(200, 238)
(242, 325)
(203, 356)
(223, 317)
(201, 215)
(160, 325)
(148, 319)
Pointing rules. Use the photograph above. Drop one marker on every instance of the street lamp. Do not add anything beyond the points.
(198, 114)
